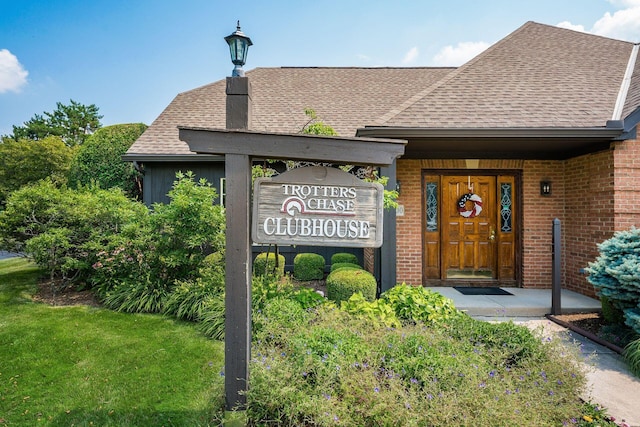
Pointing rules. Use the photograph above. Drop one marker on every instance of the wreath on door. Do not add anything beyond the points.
(477, 205)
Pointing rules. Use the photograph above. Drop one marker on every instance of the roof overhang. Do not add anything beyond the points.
(504, 143)
(169, 158)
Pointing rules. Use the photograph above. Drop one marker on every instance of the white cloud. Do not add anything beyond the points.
(12, 74)
(623, 24)
(458, 55)
(411, 55)
(569, 26)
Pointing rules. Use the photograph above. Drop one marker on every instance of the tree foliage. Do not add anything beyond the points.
(73, 123)
(99, 159)
(616, 274)
(25, 161)
(61, 228)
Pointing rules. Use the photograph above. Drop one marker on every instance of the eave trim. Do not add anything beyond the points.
(410, 133)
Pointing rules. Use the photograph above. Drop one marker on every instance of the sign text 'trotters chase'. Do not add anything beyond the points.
(317, 206)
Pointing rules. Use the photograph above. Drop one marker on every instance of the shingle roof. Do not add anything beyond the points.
(345, 98)
(538, 76)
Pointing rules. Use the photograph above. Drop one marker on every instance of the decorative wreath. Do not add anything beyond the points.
(477, 205)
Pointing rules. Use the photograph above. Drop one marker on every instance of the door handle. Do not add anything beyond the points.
(492, 234)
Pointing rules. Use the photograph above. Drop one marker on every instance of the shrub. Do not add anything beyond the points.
(611, 314)
(341, 284)
(632, 356)
(163, 249)
(615, 274)
(341, 265)
(308, 266)
(416, 303)
(340, 257)
(26, 162)
(377, 311)
(264, 264)
(335, 369)
(212, 317)
(63, 229)
(280, 316)
(99, 159)
(188, 299)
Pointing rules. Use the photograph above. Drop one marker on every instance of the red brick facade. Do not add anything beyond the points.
(593, 195)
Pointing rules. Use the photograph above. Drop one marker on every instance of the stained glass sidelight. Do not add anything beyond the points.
(432, 206)
(506, 201)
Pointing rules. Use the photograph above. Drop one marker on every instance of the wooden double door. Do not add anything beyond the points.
(469, 229)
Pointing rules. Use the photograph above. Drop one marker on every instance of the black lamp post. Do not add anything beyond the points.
(238, 46)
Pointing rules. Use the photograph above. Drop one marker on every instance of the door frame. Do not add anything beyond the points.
(518, 229)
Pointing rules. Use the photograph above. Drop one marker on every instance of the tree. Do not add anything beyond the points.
(73, 123)
(25, 161)
(99, 159)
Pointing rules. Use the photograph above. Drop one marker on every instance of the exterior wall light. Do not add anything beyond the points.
(238, 46)
(545, 188)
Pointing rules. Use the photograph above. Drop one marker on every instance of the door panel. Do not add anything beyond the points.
(471, 251)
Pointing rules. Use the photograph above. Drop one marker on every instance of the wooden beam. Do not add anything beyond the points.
(357, 151)
(237, 340)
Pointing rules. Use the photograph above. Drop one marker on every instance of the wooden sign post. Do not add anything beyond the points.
(239, 147)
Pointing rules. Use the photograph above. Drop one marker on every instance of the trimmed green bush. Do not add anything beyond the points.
(265, 264)
(341, 284)
(344, 257)
(308, 266)
(341, 265)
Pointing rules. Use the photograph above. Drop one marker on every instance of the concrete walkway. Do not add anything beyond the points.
(523, 302)
(610, 383)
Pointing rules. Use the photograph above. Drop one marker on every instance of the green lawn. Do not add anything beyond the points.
(87, 366)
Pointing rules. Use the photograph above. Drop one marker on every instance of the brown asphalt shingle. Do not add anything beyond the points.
(537, 77)
(345, 98)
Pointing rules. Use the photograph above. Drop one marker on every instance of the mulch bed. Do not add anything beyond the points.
(53, 294)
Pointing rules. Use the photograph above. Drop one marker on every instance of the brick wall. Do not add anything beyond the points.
(409, 226)
(589, 216)
(627, 184)
(538, 213)
(584, 195)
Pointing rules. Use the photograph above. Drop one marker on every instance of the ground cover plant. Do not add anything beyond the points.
(330, 366)
(87, 366)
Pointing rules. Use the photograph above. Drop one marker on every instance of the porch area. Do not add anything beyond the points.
(521, 303)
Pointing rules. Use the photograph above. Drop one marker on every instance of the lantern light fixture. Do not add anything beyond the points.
(238, 47)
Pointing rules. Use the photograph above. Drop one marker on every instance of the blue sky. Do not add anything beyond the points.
(131, 57)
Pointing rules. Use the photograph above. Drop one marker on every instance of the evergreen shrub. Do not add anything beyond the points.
(344, 257)
(343, 283)
(308, 266)
(341, 265)
(615, 274)
(265, 265)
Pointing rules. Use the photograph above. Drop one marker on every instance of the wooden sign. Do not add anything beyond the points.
(317, 206)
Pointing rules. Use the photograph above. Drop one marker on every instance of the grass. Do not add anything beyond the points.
(87, 366)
